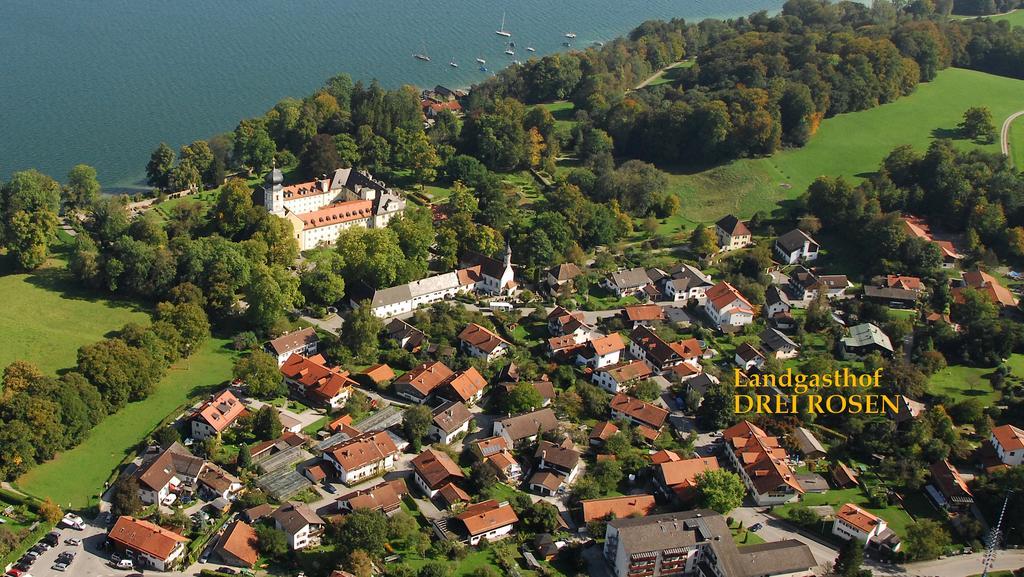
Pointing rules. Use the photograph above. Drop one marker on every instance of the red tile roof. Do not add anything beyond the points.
(761, 456)
(467, 384)
(336, 214)
(617, 507)
(650, 312)
(641, 411)
(240, 541)
(487, 516)
(436, 468)
(482, 338)
(858, 517)
(1010, 438)
(380, 373)
(723, 293)
(220, 411)
(318, 380)
(360, 451)
(426, 377)
(626, 372)
(144, 536)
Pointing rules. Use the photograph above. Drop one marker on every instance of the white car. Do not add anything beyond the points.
(125, 564)
(59, 567)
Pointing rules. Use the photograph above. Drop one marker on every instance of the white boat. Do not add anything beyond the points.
(531, 49)
(423, 54)
(453, 63)
(510, 52)
(570, 35)
(481, 61)
(501, 31)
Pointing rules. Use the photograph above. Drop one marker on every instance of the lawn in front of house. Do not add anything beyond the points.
(897, 518)
(75, 477)
(48, 316)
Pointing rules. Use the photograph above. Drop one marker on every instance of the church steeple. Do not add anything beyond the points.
(508, 254)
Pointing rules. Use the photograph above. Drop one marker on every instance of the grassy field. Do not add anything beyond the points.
(962, 382)
(1015, 17)
(1017, 142)
(47, 317)
(850, 145)
(897, 518)
(75, 477)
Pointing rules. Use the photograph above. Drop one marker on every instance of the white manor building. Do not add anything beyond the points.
(320, 209)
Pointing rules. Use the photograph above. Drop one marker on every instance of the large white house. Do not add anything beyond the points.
(362, 457)
(321, 209)
(852, 522)
(1008, 442)
(727, 307)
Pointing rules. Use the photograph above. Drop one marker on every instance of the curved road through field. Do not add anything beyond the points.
(1004, 135)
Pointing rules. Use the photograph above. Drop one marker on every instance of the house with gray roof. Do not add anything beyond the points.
(775, 343)
(795, 246)
(864, 339)
(631, 282)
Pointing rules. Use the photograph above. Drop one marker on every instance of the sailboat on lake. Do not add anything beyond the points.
(501, 31)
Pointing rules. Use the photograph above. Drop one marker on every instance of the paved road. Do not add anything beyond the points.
(958, 566)
(1004, 134)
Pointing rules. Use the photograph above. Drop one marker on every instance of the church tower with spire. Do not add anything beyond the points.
(273, 192)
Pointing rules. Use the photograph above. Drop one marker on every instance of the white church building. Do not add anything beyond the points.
(320, 209)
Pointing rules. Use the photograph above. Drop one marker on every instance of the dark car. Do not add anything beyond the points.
(226, 571)
(329, 488)
(23, 567)
(756, 527)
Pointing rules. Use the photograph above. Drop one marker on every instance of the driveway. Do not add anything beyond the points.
(776, 530)
(956, 566)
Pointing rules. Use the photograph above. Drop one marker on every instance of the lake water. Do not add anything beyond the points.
(104, 81)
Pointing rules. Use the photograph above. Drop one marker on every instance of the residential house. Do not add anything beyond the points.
(482, 343)
(238, 546)
(418, 384)
(726, 307)
(465, 386)
(748, 358)
(677, 479)
(865, 338)
(362, 457)
(147, 543)
(843, 476)
(919, 228)
(379, 374)
(661, 356)
(610, 508)
(602, 431)
(559, 459)
(642, 315)
(560, 277)
(685, 283)
(910, 283)
(526, 427)
(432, 469)
(806, 285)
(544, 388)
(775, 302)
(385, 497)
(300, 523)
(489, 520)
(640, 413)
(987, 285)
(304, 342)
(173, 470)
(732, 234)
(601, 351)
(892, 297)
(809, 445)
(700, 384)
(450, 495)
(215, 415)
(762, 464)
(1008, 442)
(312, 379)
(621, 376)
(214, 482)
(696, 542)
(407, 336)
(778, 345)
(631, 282)
(563, 323)
(796, 246)
(505, 465)
(450, 420)
(953, 493)
(286, 441)
(852, 522)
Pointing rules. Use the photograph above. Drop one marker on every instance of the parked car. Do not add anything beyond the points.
(227, 571)
(756, 527)
(330, 488)
(73, 541)
(125, 564)
(58, 566)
